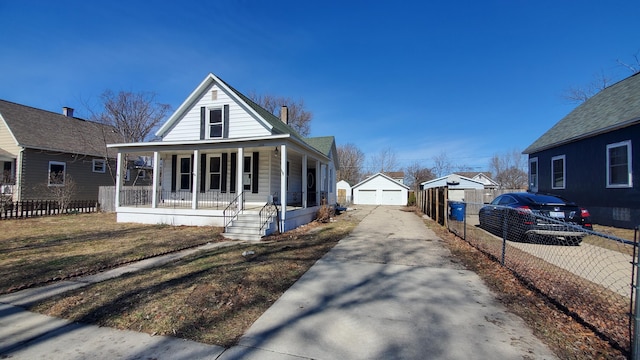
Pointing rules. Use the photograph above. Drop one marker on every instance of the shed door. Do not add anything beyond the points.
(367, 197)
(392, 197)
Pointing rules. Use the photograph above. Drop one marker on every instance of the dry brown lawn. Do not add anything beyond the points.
(212, 296)
(39, 250)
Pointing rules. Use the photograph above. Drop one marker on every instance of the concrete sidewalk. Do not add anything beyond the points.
(390, 290)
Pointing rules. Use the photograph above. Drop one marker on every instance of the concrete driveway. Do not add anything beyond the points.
(390, 290)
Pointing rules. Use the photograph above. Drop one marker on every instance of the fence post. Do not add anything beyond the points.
(504, 240)
(635, 346)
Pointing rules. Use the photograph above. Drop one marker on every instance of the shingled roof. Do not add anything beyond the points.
(45, 130)
(615, 107)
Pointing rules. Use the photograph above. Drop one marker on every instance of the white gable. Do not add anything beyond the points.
(242, 122)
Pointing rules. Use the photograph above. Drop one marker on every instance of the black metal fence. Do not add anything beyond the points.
(32, 208)
(589, 273)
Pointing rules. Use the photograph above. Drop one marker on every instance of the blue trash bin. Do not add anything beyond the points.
(457, 210)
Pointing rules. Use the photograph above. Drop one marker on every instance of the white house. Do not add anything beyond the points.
(457, 185)
(380, 189)
(223, 160)
(344, 192)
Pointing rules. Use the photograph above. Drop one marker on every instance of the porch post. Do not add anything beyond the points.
(283, 186)
(239, 182)
(195, 179)
(318, 180)
(118, 178)
(304, 181)
(156, 179)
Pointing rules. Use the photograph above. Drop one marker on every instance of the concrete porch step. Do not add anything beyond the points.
(247, 227)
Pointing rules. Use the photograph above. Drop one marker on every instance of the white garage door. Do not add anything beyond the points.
(367, 197)
(392, 197)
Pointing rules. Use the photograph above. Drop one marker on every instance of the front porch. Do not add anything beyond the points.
(228, 182)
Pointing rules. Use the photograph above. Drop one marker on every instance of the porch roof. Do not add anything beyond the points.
(271, 140)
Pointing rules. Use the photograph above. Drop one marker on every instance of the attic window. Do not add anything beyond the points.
(215, 122)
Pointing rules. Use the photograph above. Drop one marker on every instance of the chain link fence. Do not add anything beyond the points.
(588, 273)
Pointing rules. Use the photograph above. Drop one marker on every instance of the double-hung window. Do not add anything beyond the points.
(558, 172)
(214, 173)
(57, 171)
(215, 122)
(619, 165)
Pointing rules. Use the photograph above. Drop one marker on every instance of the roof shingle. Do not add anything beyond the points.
(614, 107)
(45, 130)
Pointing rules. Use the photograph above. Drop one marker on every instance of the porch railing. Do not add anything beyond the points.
(294, 198)
(143, 197)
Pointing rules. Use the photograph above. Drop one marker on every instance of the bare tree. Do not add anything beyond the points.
(634, 67)
(509, 169)
(416, 174)
(441, 164)
(580, 94)
(384, 161)
(133, 115)
(351, 163)
(298, 117)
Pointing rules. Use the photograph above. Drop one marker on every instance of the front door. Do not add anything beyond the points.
(311, 187)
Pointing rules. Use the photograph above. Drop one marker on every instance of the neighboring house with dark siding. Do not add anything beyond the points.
(35, 143)
(591, 155)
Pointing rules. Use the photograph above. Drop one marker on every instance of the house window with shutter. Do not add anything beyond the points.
(215, 122)
(184, 172)
(215, 173)
(558, 172)
(619, 165)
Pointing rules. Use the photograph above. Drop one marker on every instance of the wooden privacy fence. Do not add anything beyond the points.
(433, 203)
(31, 208)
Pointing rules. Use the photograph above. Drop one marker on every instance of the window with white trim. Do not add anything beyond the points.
(215, 172)
(533, 174)
(215, 122)
(99, 165)
(57, 171)
(246, 173)
(619, 165)
(184, 171)
(558, 172)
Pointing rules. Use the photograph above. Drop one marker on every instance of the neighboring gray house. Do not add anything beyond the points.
(482, 177)
(590, 156)
(35, 144)
(456, 185)
(222, 160)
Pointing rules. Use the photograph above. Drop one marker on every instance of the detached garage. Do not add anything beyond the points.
(380, 189)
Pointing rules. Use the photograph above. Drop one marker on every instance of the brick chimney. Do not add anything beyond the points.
(67, 111)
(284, 114)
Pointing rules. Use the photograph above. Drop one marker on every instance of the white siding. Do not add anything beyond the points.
(379, 190)
(241, 122)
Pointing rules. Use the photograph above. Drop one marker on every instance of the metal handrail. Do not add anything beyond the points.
(233, 212)
(266, 214)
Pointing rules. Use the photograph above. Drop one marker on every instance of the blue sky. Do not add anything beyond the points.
(467, 78)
